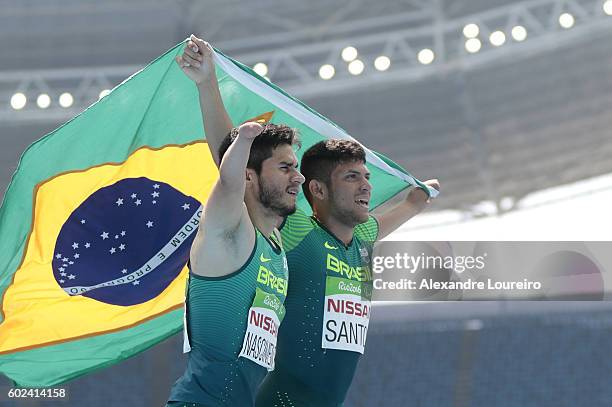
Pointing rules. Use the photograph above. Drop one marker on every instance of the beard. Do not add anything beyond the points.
(271, 197)
(346, 216)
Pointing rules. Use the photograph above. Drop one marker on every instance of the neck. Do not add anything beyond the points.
(341, 230)
(263, 219)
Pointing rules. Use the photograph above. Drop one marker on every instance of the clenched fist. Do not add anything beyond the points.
(197, 60)
(419, 197)
(250, 130)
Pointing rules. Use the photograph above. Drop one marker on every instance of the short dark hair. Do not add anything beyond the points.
(320, 160)
(272, 136)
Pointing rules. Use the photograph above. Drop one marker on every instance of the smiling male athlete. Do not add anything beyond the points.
(238, 279)
(328, 303)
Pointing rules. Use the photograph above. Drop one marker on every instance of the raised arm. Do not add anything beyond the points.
(226, 235)
(225, 208)
(198, 64)
(394, 217)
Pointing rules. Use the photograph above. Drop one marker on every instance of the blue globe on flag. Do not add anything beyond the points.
(126, 242)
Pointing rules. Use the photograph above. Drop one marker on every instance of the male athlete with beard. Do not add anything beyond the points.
(328, 302)
(328, 254)
(238, 280)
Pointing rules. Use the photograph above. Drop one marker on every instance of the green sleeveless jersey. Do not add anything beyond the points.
(327, 314)
(231, 329)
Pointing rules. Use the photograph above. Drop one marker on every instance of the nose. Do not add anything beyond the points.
(298, 177)
(366, 186)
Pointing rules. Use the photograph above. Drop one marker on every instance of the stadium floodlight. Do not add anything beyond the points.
(473, 325)
(426, 56)
(566, 20)
(66, 99)
(349, 54)
(103, 92)
(356, 67)
(327, 71)
(607, 7)
(261, 69)
(43, 101)
(471, 30)
(473, 45)
(497, 38)
(519, 33)
(18, 101)
(382, 63)
(506, 203)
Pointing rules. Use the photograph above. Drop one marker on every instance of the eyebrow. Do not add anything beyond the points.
(367, 173)
(289, 163)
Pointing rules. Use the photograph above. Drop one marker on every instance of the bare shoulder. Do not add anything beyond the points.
(218, 252)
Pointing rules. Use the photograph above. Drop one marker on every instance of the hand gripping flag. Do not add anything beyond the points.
(99, 217)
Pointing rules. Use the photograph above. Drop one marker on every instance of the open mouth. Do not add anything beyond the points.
(292, 191)
(363, 203)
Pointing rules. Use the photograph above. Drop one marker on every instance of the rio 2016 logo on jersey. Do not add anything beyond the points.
(266, 277)
(354, 273)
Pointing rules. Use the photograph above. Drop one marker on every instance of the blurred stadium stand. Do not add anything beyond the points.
(503, 122)
(506, 360)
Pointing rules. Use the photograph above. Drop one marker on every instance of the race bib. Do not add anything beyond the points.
(347, 314)
(264, 318)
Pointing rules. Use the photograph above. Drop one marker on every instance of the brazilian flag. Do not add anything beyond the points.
(99, 217)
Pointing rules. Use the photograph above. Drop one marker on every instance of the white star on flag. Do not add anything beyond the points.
(61, 269)
(75, 245)
(121, 246)
(123, 233)
(82, 221)
(63, 274)
(119, 202)
(136, 282)
(58, 256)
(156, 186)
(149, 224)
(112, 250)
(185, 207)
(138, 201)
(76, 256)
(87, 245)
(71, 276)
(155, 194)
(133, 196)
(104, 235)
(124, 271)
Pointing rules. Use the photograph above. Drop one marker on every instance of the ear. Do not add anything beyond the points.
(250, 175)
(317, 189)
